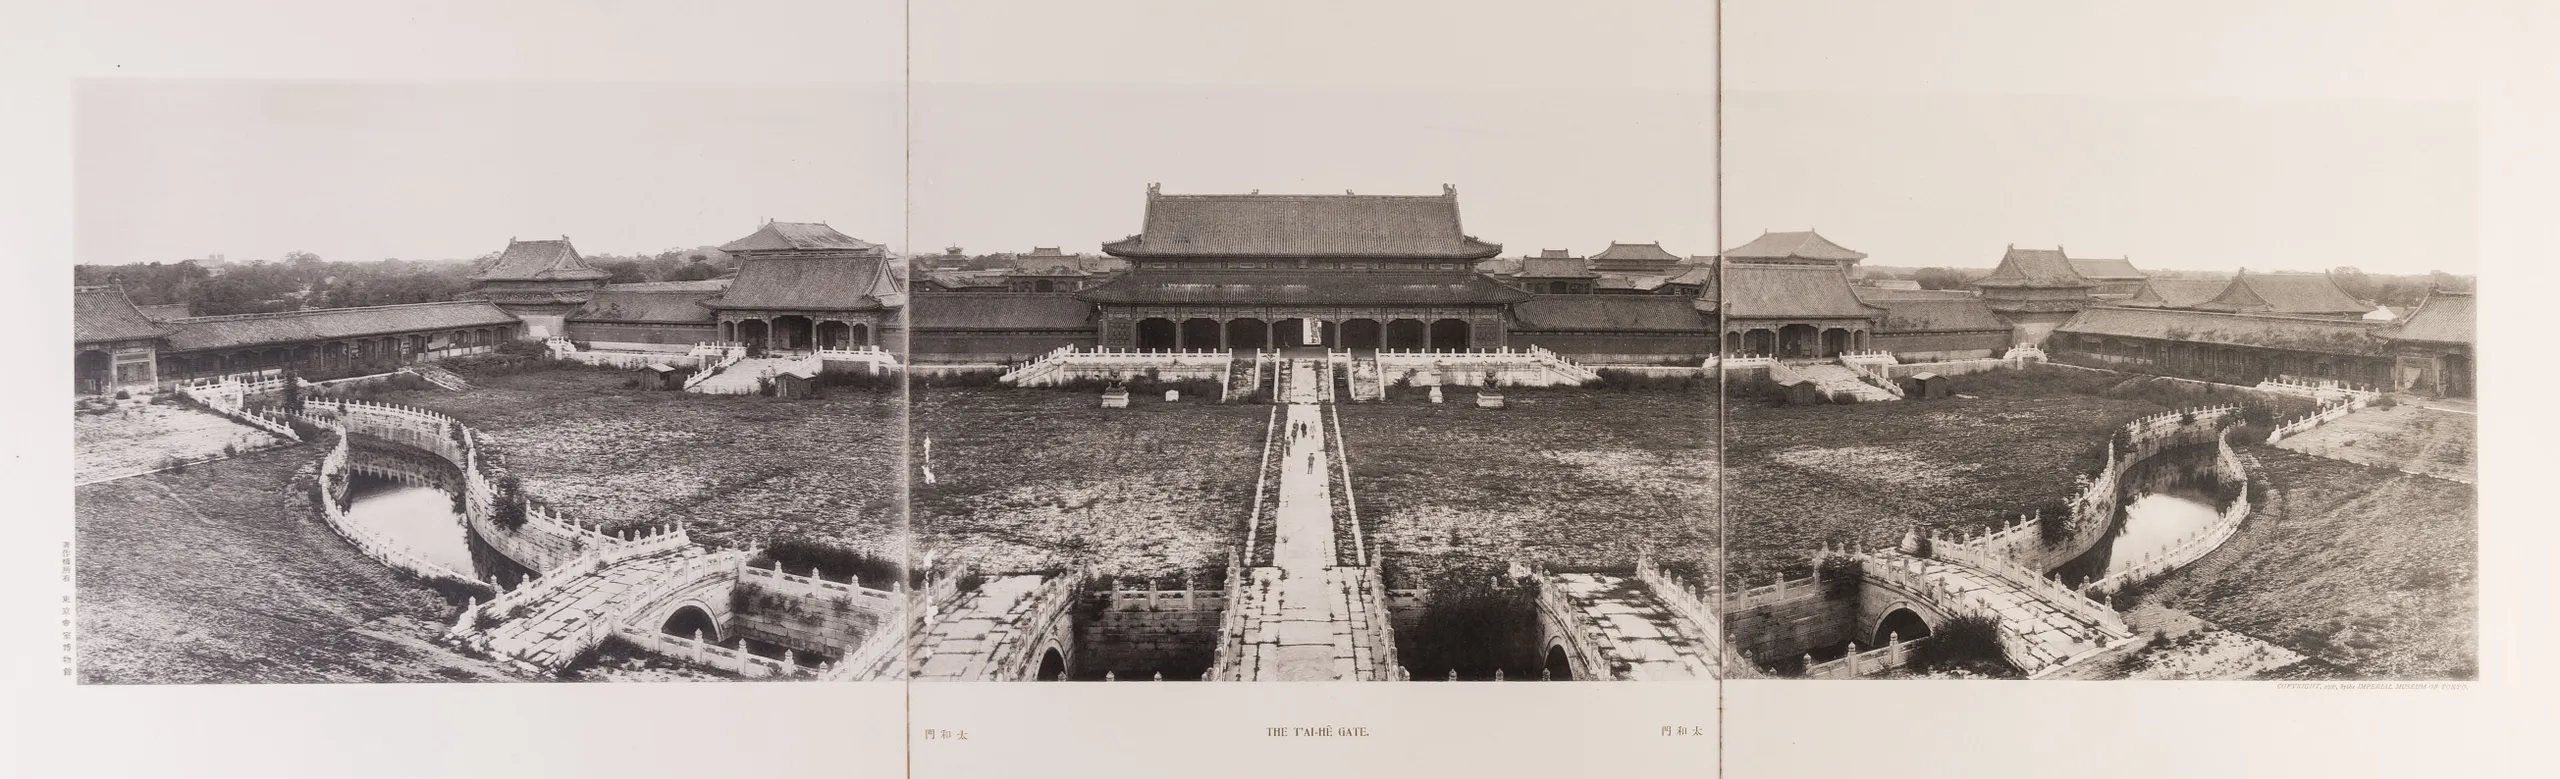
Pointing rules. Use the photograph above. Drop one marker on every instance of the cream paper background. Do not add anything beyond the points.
(2491, 54)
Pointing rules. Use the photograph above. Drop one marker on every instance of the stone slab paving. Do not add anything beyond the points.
(959, 646)
(1832, 377)
(1304, 619)
(2052, 635)
(1639, 628)
(557, 625)
(741, 378)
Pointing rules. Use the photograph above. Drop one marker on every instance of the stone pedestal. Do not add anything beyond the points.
(1488, 400)
(1435, 394)
(1172, 396)
(1115, 398)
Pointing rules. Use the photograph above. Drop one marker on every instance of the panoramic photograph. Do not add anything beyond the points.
(2181, 397)
(1184, 415)
(352, 404)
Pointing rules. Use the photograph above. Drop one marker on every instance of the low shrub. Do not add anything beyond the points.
(1616, 380)
(1840, 576)
(1965, 642)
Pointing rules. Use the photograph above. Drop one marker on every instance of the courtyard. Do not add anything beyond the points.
(1027, 479)
(735, 469)
(1569, 477)
(224, 572)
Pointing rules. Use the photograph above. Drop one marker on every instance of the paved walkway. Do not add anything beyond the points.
(2050, 635)
(961, 646)
(1305, 619)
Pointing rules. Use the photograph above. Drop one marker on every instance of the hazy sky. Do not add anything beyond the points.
(2187, 134)
(2194, 184)
(1006, 168)
(172, 170)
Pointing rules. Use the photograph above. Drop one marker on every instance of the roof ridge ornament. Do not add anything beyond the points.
(1448, 190)
(1155, 188)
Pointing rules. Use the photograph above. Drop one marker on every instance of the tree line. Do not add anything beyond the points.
(302, 280)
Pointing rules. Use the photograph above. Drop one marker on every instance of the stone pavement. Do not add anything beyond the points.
(1637, 628)
(1837, 378)
(2047, 635)
(741, 379)
(553, 629)
(139, 437)
(1305, 619)
(959, 646)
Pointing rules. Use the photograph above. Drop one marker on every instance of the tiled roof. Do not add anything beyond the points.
(1420, 226)
(1046, 252)
(649, 305)
(2033, 268)
(2285, 293)
(168, 311)
(1211, 286)
(1554, 268)
(2176, 293)
(540, 261)
(1000, 311)
(2444, 317)
(1634, 255)
(957, 280)
(2113, 270)
(1610, 312)
(105, 314)
(701, 285)
(797, 236)
(1793, 245)
(322, 324)
(1695, 276)
(1914, 315)
(1756, 291)
(2205, 327)
(1880, 295)
(1554, 254)
(837, 283)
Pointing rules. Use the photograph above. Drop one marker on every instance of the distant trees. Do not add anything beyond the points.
(305, 280)
(1940, 278)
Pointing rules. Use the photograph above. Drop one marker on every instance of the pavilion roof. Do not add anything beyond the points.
(105, 314)
(2285, 293)
(2034, 268)
(1758, 291)
(2444, 317)
(544, 260)
(2176, 293)
(1793, 245)
(797, 237)
(828, 283)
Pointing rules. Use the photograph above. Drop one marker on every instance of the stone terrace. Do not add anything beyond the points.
(2406, 437)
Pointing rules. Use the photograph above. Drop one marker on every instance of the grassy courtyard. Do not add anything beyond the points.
(1799, 476)
(1573, 477)
(2369, 570)
(224, 572)
(1027, 479)
(734, 468)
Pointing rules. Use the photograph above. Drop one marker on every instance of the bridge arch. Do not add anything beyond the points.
(1053, 666)
(1902, 622)
(689, 617)
(1558, 665)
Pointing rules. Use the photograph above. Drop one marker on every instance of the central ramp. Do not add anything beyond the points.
(1304, 617)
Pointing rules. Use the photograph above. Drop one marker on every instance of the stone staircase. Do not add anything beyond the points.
(1836, 380)
(744, 377)
(441, 377)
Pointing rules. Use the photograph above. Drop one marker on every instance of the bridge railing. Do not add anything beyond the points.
(332, 474)
(1894, 655)
(2196, 544)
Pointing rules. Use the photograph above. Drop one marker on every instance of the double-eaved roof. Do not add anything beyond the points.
(2034, 268)
(2286, 293)
(2444, 318)
(1256, 225)
(1795, 246)
(324, 324)
(544, 260)
(104, 314)
(1758, 291)
(798, 237)
(2302, 334)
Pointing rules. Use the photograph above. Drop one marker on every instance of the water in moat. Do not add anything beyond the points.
(424, 519)
(2166, 498)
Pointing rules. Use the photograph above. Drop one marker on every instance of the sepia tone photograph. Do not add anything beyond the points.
(1398, 400)
(352, 404)
(2144, 388)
